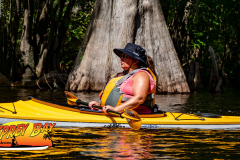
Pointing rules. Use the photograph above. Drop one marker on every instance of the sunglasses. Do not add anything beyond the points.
(123, 56)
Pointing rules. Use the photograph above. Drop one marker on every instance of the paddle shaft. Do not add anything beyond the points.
(85, 103)
(133, 121)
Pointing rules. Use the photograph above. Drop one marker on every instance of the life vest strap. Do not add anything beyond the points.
(120, 81)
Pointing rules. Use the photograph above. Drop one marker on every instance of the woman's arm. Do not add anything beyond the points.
(141, 86)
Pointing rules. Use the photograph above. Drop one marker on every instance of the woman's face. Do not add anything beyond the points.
(126, 61)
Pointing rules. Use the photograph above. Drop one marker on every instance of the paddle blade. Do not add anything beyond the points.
(70, 95)
(135, 121)
(71, 99)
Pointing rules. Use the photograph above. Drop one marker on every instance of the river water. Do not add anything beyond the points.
(122, 143)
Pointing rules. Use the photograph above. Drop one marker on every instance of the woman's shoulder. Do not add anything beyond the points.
(141, 74)
(144, 74)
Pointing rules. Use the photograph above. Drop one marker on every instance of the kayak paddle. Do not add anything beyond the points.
(131, 116)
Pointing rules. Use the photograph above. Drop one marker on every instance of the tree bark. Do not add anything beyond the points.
(197, 78)
(194, 78)
(15, 28)
(48, 9)
(43, 21)
(9, 35)
(4, 37)
(1, 41)
(179, 27)
(191, 75)
(115, 23)
(26, 42)
(45, 63)
(61, 35)
(214, 73)
(219, 85)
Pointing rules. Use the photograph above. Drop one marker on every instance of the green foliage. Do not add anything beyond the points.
(77, 27)
(55, 33)
(211, 23)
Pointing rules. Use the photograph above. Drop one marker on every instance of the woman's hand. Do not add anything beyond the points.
(107, 107)
(92, 104)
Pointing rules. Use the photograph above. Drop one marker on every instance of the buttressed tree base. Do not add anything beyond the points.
(115, 23)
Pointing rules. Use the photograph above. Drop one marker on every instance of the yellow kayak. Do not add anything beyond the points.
(63, 115)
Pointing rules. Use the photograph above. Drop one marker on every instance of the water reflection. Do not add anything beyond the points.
(112, 143)
(172, 103)
(202, 101)
(101, 143)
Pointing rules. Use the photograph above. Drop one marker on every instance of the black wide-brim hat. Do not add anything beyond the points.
(132, 50)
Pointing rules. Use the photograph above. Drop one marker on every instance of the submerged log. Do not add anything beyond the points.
(24, 84)
(52, 80)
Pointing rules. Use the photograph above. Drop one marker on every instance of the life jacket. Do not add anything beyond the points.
(113, 96)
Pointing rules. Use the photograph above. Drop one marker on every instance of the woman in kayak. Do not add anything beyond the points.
(135, 87)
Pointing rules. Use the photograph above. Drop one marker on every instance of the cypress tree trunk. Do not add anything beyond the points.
(197, 78)
(115, 23)
(179, 27)
(191, 75)
(9, 35)
(1, 39)
(62, 30)
(5, 41)
(26, 42)
(42, 27)
(214, 79)
(15, 27)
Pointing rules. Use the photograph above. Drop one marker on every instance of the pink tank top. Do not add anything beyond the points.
(126, 88)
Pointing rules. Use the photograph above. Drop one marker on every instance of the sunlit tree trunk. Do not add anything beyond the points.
(115, 23)
(26, 42)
